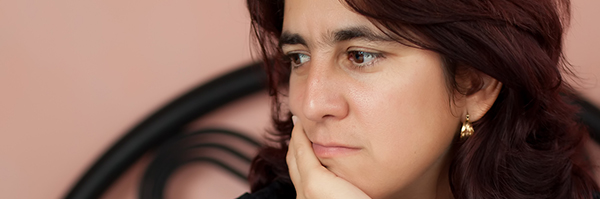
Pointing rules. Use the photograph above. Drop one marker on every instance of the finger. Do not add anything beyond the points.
(292, 162)
(305, 159)
(291, 155)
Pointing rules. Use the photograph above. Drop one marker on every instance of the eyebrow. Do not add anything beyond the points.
(291, 39)
(345, 34)
(358, 33)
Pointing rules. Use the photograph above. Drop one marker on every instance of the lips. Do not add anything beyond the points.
(333, 150)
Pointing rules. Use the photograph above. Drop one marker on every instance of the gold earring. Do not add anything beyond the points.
(467, 129)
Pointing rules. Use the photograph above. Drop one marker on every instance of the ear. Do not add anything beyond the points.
(480, 102)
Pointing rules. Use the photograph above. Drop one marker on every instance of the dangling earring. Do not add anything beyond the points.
(467, 129)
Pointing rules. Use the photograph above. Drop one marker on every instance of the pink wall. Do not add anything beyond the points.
(75, 75)
(583, 47)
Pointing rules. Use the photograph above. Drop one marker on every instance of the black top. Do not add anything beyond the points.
(282, 190)
(276, 190)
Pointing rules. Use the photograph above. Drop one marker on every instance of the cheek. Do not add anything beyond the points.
(295, 96)
(414, 117)
(409, 125)
(407, 103)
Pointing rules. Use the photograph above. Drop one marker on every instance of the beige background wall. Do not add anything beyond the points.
(75, 75)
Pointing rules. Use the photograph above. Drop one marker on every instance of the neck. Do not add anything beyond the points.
(435, 184)
(443, 190)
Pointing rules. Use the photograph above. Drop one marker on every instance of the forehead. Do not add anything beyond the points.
(319, 19)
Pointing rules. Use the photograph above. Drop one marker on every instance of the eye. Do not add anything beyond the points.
(297, 59)
(362, 58)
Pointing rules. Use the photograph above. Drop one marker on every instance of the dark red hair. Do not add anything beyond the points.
(526, 146)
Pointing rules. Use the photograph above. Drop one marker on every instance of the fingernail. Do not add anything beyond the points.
(294, 119)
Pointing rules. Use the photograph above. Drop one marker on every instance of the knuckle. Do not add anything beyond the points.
(311, 190)
(301, 150)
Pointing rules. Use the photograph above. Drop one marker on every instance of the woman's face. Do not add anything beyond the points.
(377, 112)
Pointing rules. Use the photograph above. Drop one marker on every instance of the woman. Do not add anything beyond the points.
(418, 99)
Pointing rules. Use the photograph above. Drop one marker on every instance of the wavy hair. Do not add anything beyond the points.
(528, 145)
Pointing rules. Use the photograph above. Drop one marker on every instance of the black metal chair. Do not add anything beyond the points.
(163, 129)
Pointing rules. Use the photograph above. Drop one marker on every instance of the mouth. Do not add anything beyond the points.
(333, 150)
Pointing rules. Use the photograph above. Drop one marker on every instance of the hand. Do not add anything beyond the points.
(311, 179)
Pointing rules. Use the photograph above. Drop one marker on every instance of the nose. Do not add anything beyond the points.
(324, 94)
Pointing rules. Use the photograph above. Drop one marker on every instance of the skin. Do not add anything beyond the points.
(373, 118)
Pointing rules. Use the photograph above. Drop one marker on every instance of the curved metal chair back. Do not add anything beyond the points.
(165, 124)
